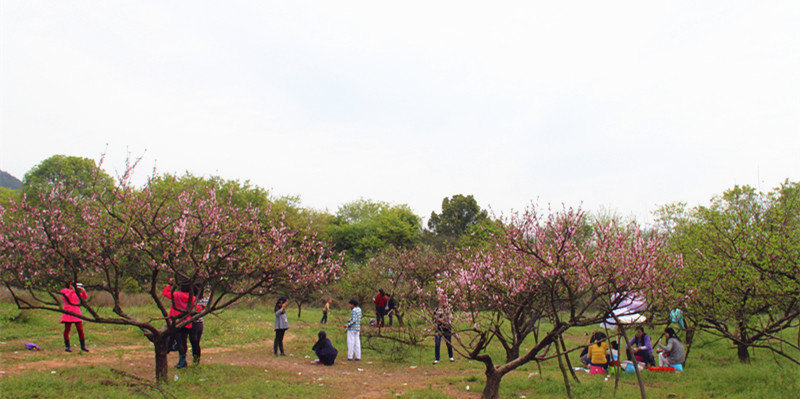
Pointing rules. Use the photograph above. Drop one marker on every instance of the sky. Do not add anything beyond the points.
(618, 106)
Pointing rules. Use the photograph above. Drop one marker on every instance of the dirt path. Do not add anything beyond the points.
(363, 379)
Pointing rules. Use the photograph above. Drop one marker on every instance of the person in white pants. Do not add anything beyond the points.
(354, 332)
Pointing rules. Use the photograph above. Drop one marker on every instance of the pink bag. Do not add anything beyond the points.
(596, 370)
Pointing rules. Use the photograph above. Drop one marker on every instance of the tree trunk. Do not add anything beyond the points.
(688, 342)
(563, 371)
(492, 388)
(566, 357)
(512, 353)
(744, 354)
(299, 309)
(161, 348)
(633, 358)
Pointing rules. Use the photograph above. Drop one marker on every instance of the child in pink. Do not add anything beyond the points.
(72, 303)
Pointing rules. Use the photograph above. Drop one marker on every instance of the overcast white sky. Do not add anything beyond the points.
(618, 105)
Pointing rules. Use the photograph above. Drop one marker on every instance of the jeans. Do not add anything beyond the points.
(324, 318)
(438, 342)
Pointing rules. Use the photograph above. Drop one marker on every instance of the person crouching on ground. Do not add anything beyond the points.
(324, 349)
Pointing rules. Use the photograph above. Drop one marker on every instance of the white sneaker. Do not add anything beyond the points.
(435, 362)
(452, 360)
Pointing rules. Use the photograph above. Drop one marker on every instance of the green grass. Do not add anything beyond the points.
(217, 381)
(712, 371)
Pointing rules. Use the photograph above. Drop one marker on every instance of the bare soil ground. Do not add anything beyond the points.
(364, 379)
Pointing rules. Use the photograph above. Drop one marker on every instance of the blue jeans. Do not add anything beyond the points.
(438, 343)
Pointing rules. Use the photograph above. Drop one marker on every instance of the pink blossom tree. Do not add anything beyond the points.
(151, 235)
(550, 267)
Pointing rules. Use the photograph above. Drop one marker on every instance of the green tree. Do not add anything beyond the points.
(240, 194)
(461, 218)
(364, 226)
(7, 195)
(741, 278)
(81, 176)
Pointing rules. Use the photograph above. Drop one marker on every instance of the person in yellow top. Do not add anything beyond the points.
(598, 351)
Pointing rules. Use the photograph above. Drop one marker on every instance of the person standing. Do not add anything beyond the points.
(325, 310)
(196, 332)
(72, 303)
(443, 330)
(380, 306)
(281, 325)
(354, 332)
(641, 347)
(182, 302)
(390, 309)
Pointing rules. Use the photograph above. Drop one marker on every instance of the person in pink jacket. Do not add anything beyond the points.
(72, 303)
(182, 301)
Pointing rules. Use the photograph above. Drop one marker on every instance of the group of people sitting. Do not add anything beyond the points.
(597, 354)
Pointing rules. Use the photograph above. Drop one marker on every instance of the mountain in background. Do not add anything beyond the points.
(8, 181)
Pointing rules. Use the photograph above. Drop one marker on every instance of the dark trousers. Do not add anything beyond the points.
(324, 318)
(328, 359)
(379, 315)
(195, 333)
(438, 343)
(390, 318)
(647, 357)
(180, 336)
(278, 341)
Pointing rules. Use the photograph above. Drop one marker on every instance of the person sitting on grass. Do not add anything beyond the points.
(324, 349)
(641, 347)
(672, 354)
(598, 351)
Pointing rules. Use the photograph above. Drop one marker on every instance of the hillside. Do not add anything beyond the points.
(8, 181)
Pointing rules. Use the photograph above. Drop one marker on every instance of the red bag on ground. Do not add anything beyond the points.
(661, 369)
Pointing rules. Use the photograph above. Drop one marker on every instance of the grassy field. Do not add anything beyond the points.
(238, 363)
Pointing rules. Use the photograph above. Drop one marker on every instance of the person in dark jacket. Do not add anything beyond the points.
(390, 309)
(324, 349)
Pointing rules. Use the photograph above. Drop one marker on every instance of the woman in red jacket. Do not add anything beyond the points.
(380, 301)
(182, 302)
(72, 303)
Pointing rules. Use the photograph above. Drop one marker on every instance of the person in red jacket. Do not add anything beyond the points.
(380, 306)
(182, 302)
(72, 303)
